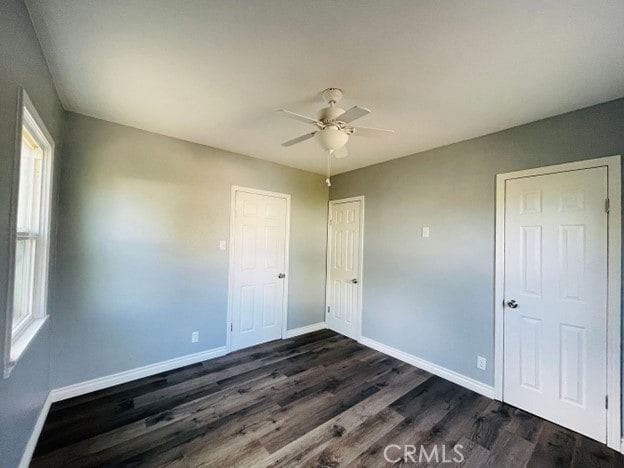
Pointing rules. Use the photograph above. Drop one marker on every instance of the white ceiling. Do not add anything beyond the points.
(437, 72)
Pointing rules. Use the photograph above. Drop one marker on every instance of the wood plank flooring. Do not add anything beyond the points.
(317, 400)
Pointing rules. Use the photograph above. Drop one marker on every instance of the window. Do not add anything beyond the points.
(31, 220)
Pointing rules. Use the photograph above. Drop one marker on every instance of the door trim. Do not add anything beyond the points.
(230, 312)
(358, 328)
(614, 273)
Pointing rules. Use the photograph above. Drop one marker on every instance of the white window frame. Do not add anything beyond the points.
(16, 344)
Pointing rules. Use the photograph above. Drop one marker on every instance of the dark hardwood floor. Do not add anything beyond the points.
(316, 400)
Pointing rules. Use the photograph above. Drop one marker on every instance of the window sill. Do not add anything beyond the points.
(20, 345)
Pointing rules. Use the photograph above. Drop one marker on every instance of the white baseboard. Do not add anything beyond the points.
(29, 450)
(303, 330)
(440, 371)
(89, 386)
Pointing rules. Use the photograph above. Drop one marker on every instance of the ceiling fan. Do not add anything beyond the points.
(333, 129)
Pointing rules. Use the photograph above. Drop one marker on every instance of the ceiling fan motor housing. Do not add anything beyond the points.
(330, 114)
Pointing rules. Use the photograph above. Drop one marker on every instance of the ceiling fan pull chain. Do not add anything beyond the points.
(328, 180)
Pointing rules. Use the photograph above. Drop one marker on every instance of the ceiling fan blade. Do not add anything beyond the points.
(354, 113)
(370, 132)
(294, 141)
(341, 153)
(301, 118)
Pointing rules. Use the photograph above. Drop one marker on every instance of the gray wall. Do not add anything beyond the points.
(434, 298)
(21, 64)
(141, 216)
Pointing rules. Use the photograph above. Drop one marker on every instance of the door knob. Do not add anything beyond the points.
(281, 276)
(354, 280)
(512, 304)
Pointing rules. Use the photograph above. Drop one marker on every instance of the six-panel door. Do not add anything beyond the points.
(258, 262)
(556, 272)
(344, 267)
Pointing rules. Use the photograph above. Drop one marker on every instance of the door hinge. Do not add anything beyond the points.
(607, 203)
(328, 309)
(606, 401)
(231, 327)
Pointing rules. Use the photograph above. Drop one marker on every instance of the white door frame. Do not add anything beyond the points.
(230, 311)
(614, 273)
(358, 317)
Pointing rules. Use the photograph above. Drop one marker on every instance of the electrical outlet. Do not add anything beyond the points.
(195, 337)
(481, 362)
(222, 245)
(425, 231)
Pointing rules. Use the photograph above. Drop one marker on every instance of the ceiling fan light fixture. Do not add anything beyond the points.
(331, 138)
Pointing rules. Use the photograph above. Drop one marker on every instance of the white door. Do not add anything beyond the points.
(259, 266)
(555, 330)
(344, 282)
